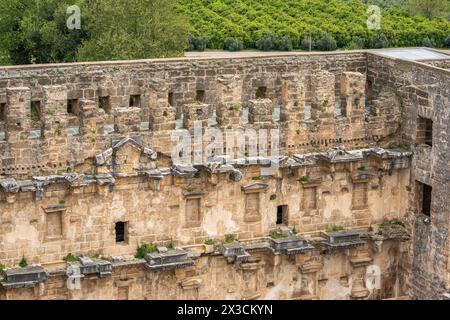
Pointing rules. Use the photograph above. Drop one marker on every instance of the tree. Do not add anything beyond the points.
(133, 29)
(233, 44)
(35, 31)
(429, 8)
(327, 43)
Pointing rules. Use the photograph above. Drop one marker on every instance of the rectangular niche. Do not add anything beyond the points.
(252, 208)
(54, 228)
(309, 198)
(193, 212)
(360, 197)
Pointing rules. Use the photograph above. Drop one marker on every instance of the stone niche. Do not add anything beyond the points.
(252, 194)
(230, 116)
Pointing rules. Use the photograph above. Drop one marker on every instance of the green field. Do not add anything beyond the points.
(344, 20)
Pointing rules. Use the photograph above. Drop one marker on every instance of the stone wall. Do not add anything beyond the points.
(85, 156)
(55, 117)
(425, 92)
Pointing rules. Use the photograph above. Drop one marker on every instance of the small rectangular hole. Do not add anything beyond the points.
(2, 111)
(200, 96)
(105, 104)
(121, 231)
(35, 110)
(72, 106)
(135, 100)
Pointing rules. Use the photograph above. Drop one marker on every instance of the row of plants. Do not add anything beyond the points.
(289, 24)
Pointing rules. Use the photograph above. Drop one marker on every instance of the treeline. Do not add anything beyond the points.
(304, 24)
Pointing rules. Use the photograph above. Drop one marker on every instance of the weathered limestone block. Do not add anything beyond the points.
(260, 113)
(293, 100)
(127, 119)
(90, 117)
(230, 116)
(196, 112)
(162, 119)
(17, 113)
(230, 87)
(54, 111)
(385, 113)
(323, 97)
(353, 92)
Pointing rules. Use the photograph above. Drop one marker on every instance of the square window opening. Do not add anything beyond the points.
(135, 100)
(261, 93)
(200, 96)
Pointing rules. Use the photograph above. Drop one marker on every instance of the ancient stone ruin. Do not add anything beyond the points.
(93, 206)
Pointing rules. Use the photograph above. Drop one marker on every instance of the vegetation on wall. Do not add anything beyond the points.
(264, 23)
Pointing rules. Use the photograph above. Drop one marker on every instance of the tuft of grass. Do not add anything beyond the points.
(335, 228)
(393, 222)
(145, 249)
(70, 258)
(230, 238)
(278, 235)
(23, 263)
(209, 242)
(304, 179)
(50, 112)
(237, 107)
(2, 268)
(170, 246)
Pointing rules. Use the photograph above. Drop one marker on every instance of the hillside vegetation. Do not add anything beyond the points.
(345, 21)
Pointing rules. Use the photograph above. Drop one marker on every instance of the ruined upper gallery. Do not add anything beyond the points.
(86, 168)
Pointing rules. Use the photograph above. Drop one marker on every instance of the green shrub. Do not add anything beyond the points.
(278, 235)
(23, 263)
(266, 43)
(335, 228)
(70, 258)
(379, 41)
(233, 44)
(197, 43)
(284, 44)
(209, 242)
(447, 42)
(230, 238)
(237, 107)
(393, 222)
(326, 43)
(2, 268)
(427, 42)
(357, 43)
(306, 44)
(145, 249)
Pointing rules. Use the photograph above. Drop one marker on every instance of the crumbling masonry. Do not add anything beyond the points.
(358, 209)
